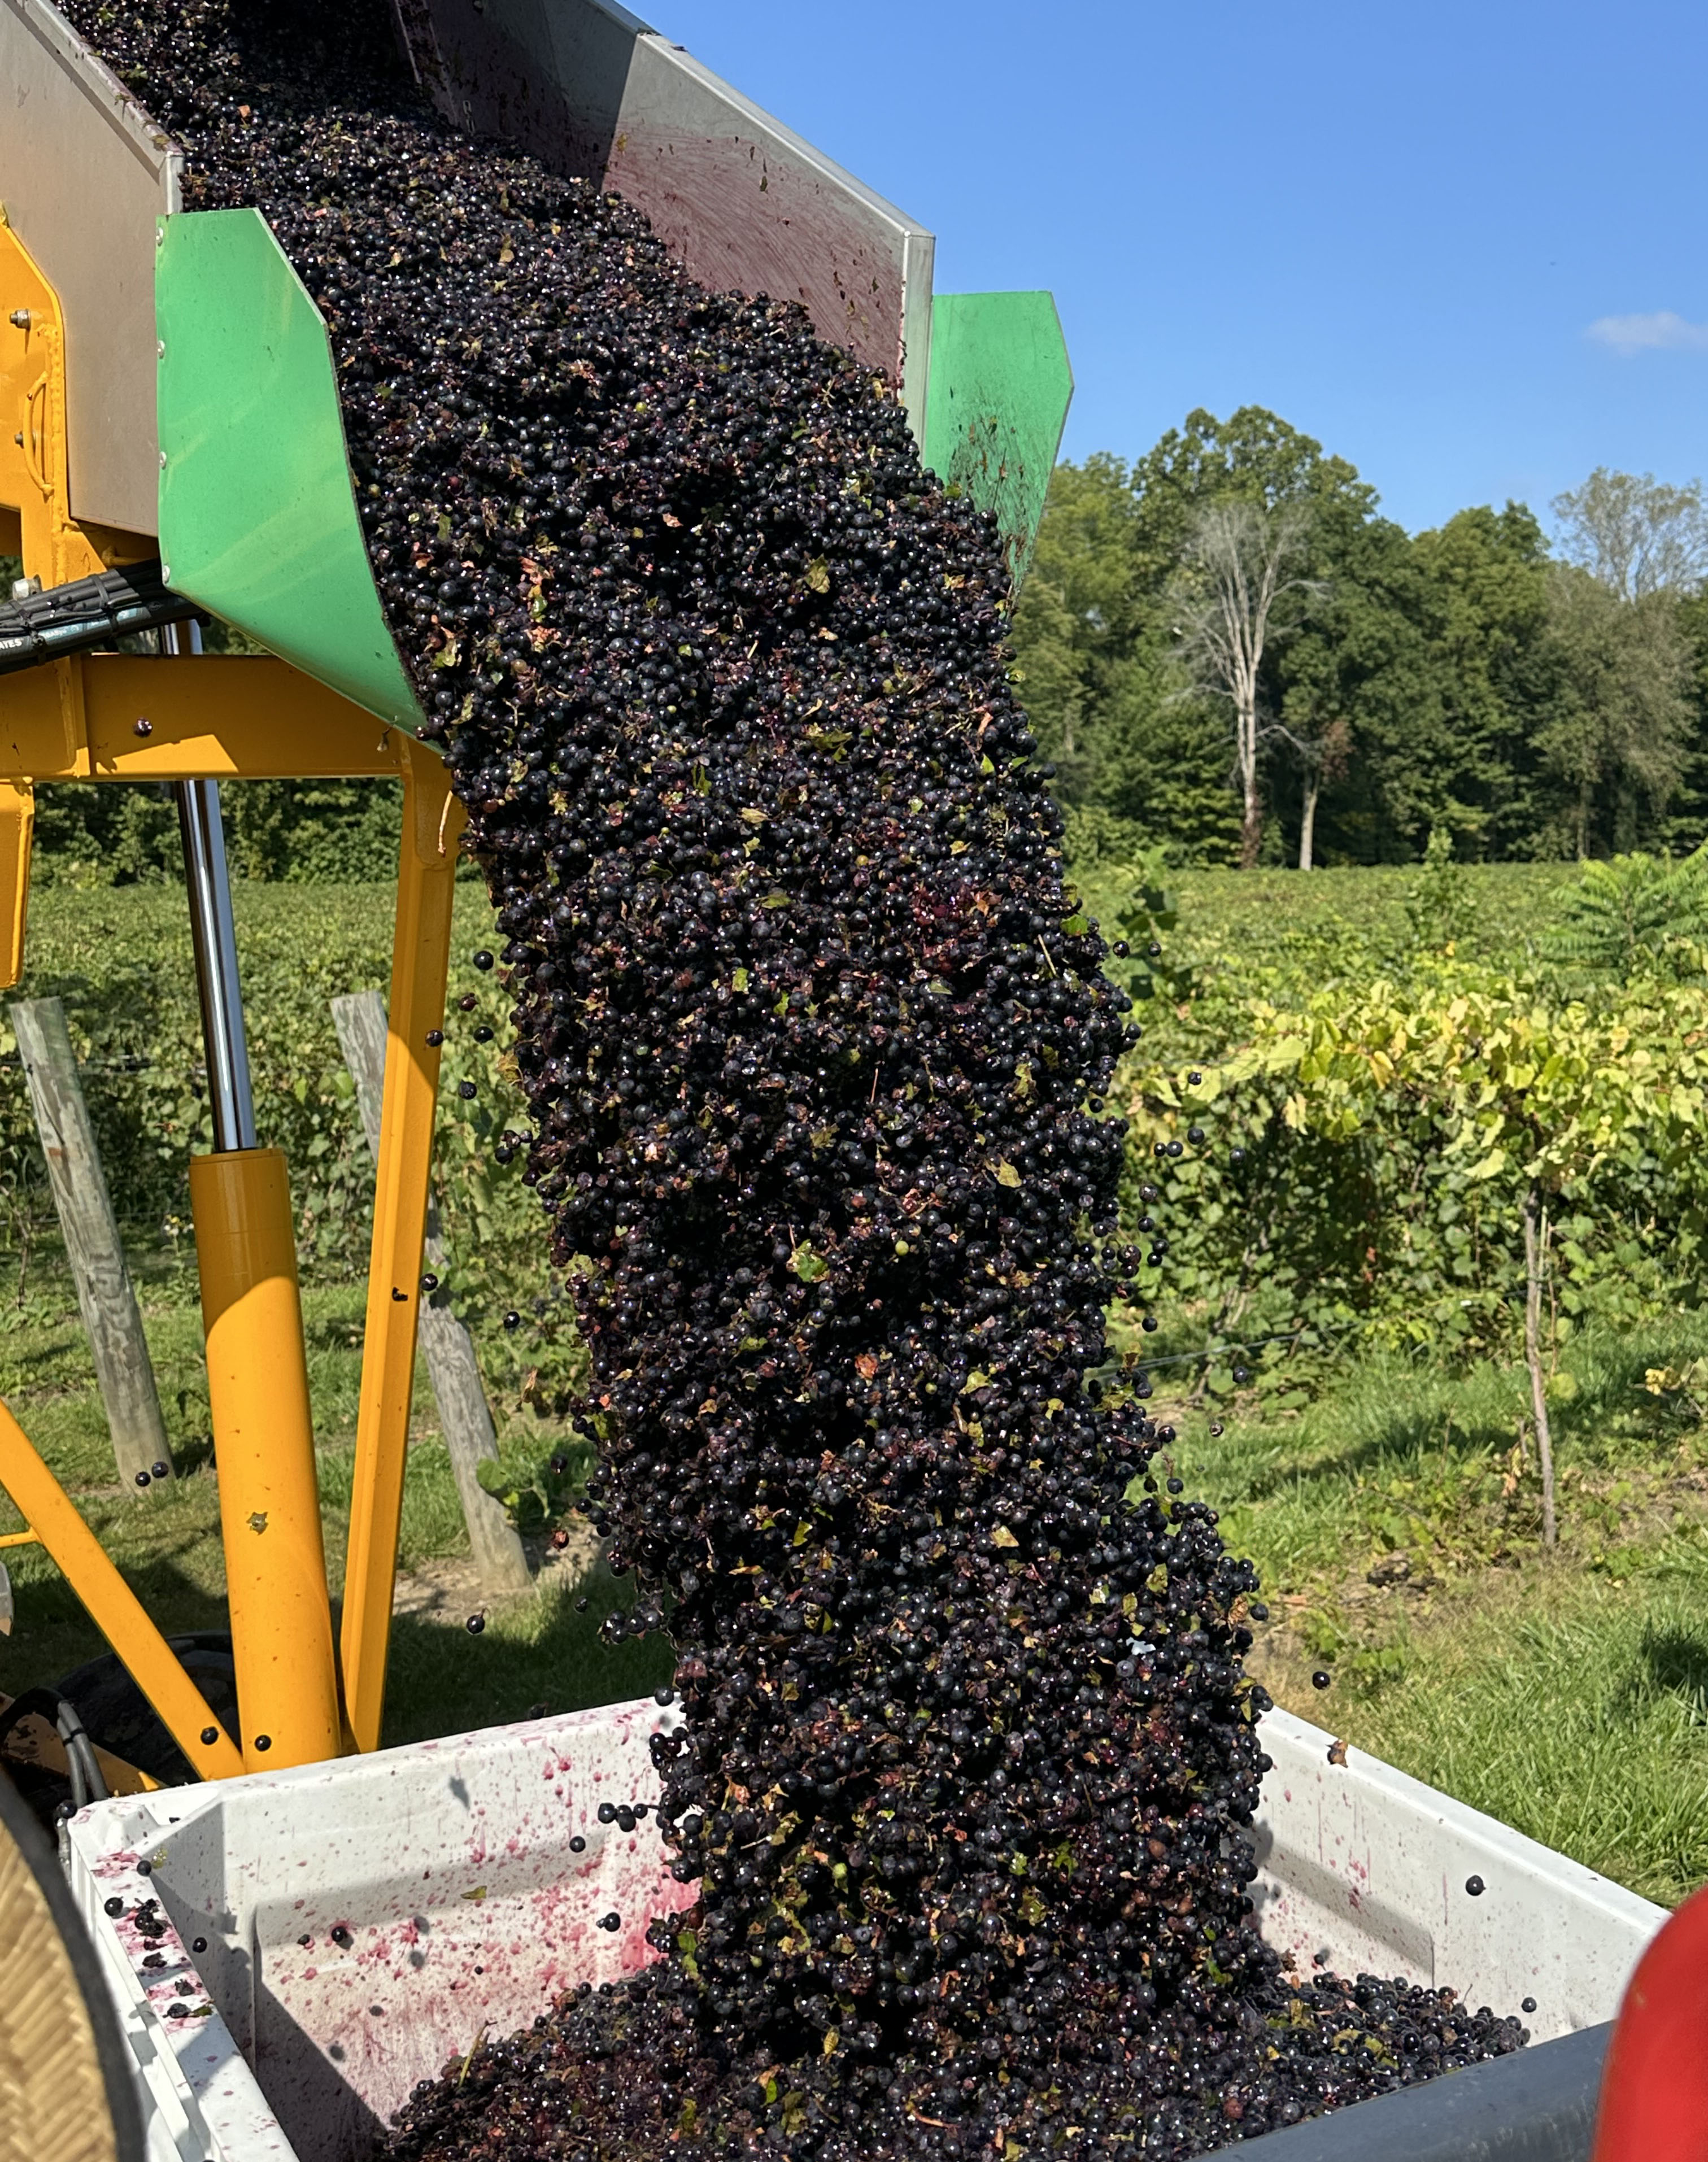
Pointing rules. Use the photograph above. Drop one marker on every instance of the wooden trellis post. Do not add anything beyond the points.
(447, 1345)
(105, 1295)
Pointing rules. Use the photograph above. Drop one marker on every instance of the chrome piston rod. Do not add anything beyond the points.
(213, 934)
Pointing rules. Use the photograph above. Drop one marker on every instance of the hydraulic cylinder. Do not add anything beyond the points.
(264, 1446)
(256, 1367)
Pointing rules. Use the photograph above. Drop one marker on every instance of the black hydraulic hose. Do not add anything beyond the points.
(35, 627)
(79, 1755)
(87, 1782)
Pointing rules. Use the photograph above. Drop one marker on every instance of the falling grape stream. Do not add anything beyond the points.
(816, 1053)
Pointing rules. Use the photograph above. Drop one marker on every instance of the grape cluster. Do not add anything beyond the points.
(816, 1048)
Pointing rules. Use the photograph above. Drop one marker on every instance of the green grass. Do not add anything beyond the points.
(1400, 1452)
(1572, 1708)
(1268, 914)
(541, 1651)
(1565, 1694)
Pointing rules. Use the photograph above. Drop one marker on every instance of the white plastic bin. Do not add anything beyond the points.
(1366, 1869)
(463, 1910)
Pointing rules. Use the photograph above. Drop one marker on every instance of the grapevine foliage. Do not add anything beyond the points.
(1376, 1145)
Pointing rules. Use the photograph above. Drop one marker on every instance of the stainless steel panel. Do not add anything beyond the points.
(84, 173)
(583, 85)
(744, 203)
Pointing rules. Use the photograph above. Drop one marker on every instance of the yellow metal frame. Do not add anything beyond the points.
(432, 822)
(269, 1505)
(111, 717)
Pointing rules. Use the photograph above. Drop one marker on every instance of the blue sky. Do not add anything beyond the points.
(1399, 228)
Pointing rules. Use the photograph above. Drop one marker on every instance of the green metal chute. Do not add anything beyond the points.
(258, 516)
(999, 388)
(257, 513)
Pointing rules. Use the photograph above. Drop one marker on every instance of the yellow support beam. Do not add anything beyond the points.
(114, 1607)
(17, 835)
(269, 1505)
(432, 821)
(221, 717)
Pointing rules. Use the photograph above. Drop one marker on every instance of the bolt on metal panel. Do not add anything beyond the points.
(84, 173)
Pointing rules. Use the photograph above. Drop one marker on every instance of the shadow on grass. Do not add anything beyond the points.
(1400, 1417)
(1399, 1436)
(1675, 1662)
(440, 1678)
(63, 1358)
(193, 1454)
(52, 1633)
(329, 1330)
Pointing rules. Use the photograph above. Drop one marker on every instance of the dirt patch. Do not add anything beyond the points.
(449, 1588)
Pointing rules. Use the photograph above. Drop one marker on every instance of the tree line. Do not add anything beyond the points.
(1225, 647)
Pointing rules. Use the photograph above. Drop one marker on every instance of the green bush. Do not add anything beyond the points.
(1367, 1153)
(1338, 1023)
(314, 833)
(1635, 916)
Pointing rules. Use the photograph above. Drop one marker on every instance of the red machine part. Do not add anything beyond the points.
(1654, 2091)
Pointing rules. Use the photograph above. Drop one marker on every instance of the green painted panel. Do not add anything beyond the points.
(257, 514)
(1000, 387)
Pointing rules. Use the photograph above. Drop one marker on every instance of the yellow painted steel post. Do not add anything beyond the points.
(114, 1607)
(34, 435)
(263, 1443)
(432, 822)
(17, 831)
(256, 1368)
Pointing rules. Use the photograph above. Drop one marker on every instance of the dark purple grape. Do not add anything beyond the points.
(967, 1762)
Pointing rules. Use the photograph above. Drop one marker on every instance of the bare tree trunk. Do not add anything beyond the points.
(1308, 823)
(1236, 564)
(1251, 829)
(449, 1350)
(105, 1295)
(1536, 1232)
